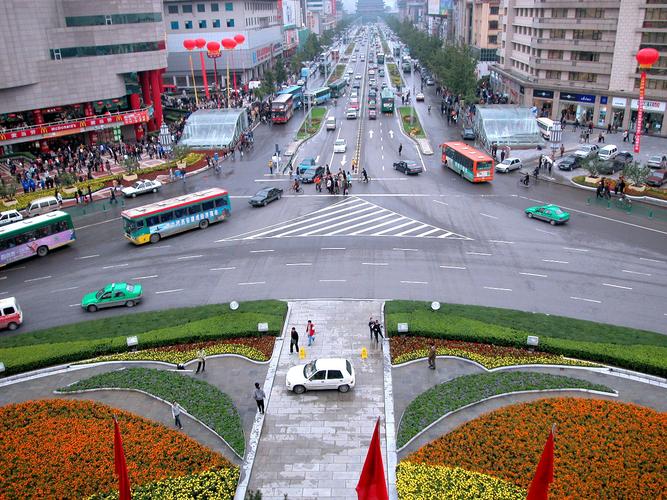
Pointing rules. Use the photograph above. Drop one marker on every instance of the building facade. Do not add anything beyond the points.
(577, 62)
(79, 67)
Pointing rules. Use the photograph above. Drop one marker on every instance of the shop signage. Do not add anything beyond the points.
(263, 53)
(619, 102)
(545, 94)
(649, 106)
(567, 96)
(603, 99)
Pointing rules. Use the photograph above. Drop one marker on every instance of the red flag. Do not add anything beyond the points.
(120, 465)
(544, 475)
(372, 485)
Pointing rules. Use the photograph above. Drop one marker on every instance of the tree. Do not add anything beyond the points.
(593, 166)
(281, 74)
(267, 86)
(636, 173)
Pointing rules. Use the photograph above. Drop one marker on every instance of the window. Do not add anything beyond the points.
(106, 50)
(334, 374)
(194, 209)
(229, 6)
(319, 375)
(172, 9)
(201, 7)
(186, 9)
(216, 23)
(202, 24)
(118, 295)
(166, 217)
(215, 7)
(555, 54)
(558, 13)
(557, 34)
(207, 205)
(174, 25)
(230, 23)
(494, 11)
(101, 20)
(589, 13)
(493, 25)
(153, 220)
(553, 75)
(220, 202)
(179, 213)
(586, 56)
(188, 25)
(8, 310)
(583, 77)
(493, 39)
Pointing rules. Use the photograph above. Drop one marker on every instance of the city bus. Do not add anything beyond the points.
(155, 221)
(282, 108)
(319, 96)
(380, 58)
(338, 88)
(297, 93)
(467, 161)
(35, 236)
(545, 125)
(387, 101)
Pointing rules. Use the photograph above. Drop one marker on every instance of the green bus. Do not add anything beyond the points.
(151, 223)
(380, 58)
(338, 88)
(387, 101)
(35, 236)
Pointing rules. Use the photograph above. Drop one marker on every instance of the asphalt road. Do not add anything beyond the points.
(430, 237)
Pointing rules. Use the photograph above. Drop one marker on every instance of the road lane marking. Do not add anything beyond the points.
(498, 289)
(169, 291)
(478, 253)
(406, 249)
(87, 257)
(453, 267)
(543, 231)
(299, 264)
(96, 223)
(635, 272)
(3, 278)
(555, 261)
(502, 241)
(651, 260)
(440, 202)
(252, 283)
(333, 281)
(533, 274)
(74, 305)
(575, 249)
(186, 257)
(332, 248)
(222, 268)
(13, 269)
(37, 279)
(587, 300)
(617, 286)
(487, 215)
(415, 282)
(64, 289)
(374, 264)
(145, 277)
(261, 251)
(115, 265)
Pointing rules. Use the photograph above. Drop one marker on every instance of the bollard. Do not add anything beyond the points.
(588, 201)
(364, 353)
(650, 214)
(302, 353)
(609, 205)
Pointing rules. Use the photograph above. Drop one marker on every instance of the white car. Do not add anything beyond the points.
(419, 96)
(351, 114)
(508, 164)
(9, 217)
(320, 374)
(141, 187)
(340, 146)
(357, 76)
(587, 151)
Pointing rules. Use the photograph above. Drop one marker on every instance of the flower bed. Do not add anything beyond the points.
(429, 406)
(603, 449)
(200, 399)
(404, 349)
(255, 348)
(433, 482)
(411, 122)
(64, 449)
(394, 75)
(311, 124)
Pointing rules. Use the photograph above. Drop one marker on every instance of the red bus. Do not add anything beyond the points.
(282, 108)
(468, 162)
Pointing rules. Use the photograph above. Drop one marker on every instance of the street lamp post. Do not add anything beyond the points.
(165, 137)
(646, 58)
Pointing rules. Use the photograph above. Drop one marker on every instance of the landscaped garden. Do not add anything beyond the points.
(615, 345)
(203, 401)
(450, 396)
(64, 449)
(312, 123)
(394, 75)
(603, 449)
(411, 122)
(88, 339)
(337, 73)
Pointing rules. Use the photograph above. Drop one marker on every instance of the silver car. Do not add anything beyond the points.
(141, 187)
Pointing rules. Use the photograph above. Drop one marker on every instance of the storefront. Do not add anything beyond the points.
(543, 101)
(654, 112)
(618, 105)
(602, 112)
(576, 107)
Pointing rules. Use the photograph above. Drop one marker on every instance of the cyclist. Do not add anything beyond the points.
(526, 178)
(364, 174)
(536, 172)
(335, 102)
(429, 109)
(295, 185)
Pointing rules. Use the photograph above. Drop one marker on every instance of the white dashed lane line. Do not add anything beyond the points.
(252, 283)
(333, 248)
(543, 231)
(498, 289)
(299, 264)
(479, 253)
(441, 202)
(261, 251)
(64, 289)
(146, 277)
(188, 257)
(555, 261)
(333, 281)
(651, 260)
(169, 291)
(453, 267)
(487, 215)
(115, 265)
(587, 300)
(635, 272)
(575, 249)
(374, 264)
(415, 282)
(74, 305)
(534, 274)
(222, 268)
(87, 257)
(37, 279)
(617, 286)
(406, 249)
(502, 241)
(3, 278)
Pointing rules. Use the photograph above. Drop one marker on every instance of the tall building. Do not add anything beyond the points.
(90, 68)
(578, 63)
(370, 9)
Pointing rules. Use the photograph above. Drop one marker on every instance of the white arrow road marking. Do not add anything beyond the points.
(391, 134)
(370, 133)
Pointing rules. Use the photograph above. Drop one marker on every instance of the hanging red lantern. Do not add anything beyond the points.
(200, 42)
(213, 46)
(647, 57)
(189, 44)
(228, 43)
(239, 38)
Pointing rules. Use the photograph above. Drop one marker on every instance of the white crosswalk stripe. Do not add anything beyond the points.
(350, 217)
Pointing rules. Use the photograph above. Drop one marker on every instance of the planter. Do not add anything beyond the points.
(69, 190)
(130, 177)
(637, 189)
(9, 203)
(592, 180)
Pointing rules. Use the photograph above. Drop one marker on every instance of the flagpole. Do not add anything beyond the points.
(120, 465)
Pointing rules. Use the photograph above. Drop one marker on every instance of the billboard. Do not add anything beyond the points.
(439, 7)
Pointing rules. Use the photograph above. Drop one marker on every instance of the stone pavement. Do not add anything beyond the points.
(313, 445)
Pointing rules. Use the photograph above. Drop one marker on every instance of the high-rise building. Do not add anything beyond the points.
(577, 62)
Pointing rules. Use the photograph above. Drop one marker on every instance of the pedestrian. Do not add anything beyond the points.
(113, 196)
(80, 198)
(90, 194)
(431, 357)
(607, 189)
(176, 410)
(502, 155)
(294, 341)
(626, 134)
(400, 148)
(59, 198)
(271, 167)
(201, 360)
(621, 185)
(562, 150)
(310, 332)
(549, 165)
(371, 324)
(599, 190)
(259, 398)
(377, 331)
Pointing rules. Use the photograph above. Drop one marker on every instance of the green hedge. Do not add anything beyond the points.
(429, 406)
(200, 399)
(89, 339)
(615, 345)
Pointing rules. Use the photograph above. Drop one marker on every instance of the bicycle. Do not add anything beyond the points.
(624, 202)
(523, 182)
(298, 190)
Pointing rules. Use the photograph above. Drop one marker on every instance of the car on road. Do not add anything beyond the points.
(340, 146)
(384, 85)
(372, 94)
(553, 214)
(357, 76)
(568, 162)
(354, 94)
(430, 81)
(372, 82)
(309, 175)
(10, 216)
(508, 164)
(468, 134)
(372, 114)
(419, 97)
(141, 187)
(305, 164)
(112, 295)
(351, 114)
(657, 178)
(372, 104)
(381, 72)
(265, 196)
(408, 167)
(657, 161)
(321, 374)
(11, 316)
(587, 151)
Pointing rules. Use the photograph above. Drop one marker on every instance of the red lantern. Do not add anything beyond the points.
(213, 46)
(189, 44)
(239, 38)
(647, 57)
(228, 43)
(200, 42)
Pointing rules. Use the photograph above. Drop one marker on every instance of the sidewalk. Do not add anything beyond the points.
(314, 445)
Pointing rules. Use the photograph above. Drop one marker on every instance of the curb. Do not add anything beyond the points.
(414, 139)
(389, 417)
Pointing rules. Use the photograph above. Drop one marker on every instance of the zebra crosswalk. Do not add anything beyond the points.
(350, 217)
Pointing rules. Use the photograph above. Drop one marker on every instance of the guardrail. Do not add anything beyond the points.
(629, 207)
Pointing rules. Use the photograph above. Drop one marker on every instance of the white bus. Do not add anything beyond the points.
(545, 125)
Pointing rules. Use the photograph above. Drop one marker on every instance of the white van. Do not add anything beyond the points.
(9, 217)
(331, 123)
(608, 152)
(545, 125)
(42, 206)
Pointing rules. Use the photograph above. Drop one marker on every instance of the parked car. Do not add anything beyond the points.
(624, 157)
(553, 214)
(587, 151)
(321, 374)
(141, 187)
(340, 146)
(568, 162)
(608, 152)
(609, 167)
(657, 161)
(309, 175)
(42, 206)
(657, 178)
(112, 295)
(265, 196)
(408, 167)
(468, 134)
(508, 164)
(11, 316)
(419, 97)
(10, 216)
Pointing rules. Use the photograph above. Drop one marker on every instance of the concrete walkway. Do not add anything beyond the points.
(314, 445)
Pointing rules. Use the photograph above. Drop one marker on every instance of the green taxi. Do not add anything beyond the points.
(553, 214)
(112, 295)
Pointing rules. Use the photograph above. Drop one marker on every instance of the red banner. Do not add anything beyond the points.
(640, 111)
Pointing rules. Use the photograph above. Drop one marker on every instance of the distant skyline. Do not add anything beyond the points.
(351, 5)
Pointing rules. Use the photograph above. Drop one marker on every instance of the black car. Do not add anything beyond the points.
(608, 167)
(468, 134)
(568, 162)
(265, 196)
(309, 175)
(623, 158)
(408, 167)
